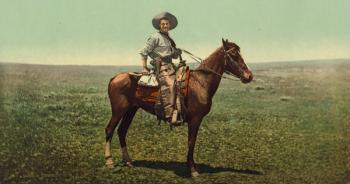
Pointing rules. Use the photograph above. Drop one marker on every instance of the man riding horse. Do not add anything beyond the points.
(203, 83)
(161, 48)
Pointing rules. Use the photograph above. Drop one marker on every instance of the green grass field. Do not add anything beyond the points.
(291, 125)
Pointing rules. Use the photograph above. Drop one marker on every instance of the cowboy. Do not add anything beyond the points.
(161, 48)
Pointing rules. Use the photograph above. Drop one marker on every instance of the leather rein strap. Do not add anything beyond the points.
(227, 55)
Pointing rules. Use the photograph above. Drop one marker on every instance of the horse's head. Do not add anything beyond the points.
(234, 63)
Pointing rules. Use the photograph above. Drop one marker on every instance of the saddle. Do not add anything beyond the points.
(147, 88)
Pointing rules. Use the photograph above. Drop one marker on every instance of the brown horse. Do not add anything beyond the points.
(203, 83)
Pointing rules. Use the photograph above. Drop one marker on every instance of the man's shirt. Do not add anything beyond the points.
(157, 45)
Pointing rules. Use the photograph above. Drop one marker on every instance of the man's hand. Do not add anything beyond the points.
(145, 70)
(176, 53)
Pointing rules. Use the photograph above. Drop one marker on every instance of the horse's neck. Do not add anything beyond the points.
(209, 79)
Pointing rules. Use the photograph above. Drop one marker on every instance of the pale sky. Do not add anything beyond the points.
(112, 32)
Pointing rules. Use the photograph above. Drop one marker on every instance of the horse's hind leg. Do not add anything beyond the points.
(122, 130)
(119, 90)
(113, 123)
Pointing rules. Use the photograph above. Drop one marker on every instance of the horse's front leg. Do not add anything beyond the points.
(193, 126)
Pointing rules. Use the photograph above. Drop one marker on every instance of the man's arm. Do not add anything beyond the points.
(150, 45)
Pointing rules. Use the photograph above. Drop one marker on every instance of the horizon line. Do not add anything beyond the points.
(256, 62)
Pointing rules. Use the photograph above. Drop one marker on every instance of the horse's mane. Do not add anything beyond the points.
(212, 56)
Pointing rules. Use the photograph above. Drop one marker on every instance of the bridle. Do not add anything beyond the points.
(229, 61)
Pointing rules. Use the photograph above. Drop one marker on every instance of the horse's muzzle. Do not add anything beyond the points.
(247, 77)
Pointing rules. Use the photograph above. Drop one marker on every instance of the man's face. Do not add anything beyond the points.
(164, 25)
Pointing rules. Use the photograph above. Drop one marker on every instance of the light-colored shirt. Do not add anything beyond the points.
(157, 45)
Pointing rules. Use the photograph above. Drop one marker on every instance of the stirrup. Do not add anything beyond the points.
(174, 117)
(174, 121)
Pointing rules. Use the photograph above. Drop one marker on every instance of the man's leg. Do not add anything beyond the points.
(167, 85)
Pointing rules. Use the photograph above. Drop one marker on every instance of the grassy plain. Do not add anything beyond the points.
(291, 125)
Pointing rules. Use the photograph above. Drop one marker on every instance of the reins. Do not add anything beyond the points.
(200, 60)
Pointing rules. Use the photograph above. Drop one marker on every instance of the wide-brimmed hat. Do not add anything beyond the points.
(164, 15)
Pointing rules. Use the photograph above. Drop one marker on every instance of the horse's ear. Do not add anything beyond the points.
(224, 43)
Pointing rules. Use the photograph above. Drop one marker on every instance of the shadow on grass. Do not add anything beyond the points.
(181, 169)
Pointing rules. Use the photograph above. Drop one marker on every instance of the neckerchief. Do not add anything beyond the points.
(170, 39)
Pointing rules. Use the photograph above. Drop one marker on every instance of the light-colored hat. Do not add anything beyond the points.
(164, 15)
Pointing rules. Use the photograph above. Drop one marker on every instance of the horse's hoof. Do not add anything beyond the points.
(129, 164)
(110, 166)
(194, 174)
